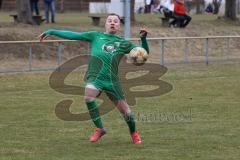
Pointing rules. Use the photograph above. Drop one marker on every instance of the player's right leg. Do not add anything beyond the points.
(91, 92)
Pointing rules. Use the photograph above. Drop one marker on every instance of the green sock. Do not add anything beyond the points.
(129, 118)
(94, 113)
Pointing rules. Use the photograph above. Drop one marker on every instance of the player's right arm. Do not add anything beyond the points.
(84, 36)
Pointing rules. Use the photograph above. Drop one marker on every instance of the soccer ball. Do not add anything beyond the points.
(138, 56)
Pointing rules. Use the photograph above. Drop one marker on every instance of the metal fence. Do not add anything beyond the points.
(180, 47)
(231, 42)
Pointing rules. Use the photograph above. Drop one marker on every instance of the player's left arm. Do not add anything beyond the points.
(143, 36)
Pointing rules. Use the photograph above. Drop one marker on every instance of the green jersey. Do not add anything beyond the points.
(106, 52)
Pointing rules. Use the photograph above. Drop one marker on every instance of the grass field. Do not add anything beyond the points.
(201, 119)
(197, 120)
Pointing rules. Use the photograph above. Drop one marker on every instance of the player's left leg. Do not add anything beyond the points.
(124, 109)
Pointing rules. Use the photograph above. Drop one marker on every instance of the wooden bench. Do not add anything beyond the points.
(96, 19)
(36, 19)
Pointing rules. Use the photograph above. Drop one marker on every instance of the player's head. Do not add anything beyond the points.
(112, 24)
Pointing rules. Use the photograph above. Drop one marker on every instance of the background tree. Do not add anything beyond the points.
(238, 6)
(132, 11)
(216, 4)
(199, 4)
(62, 6)
(24, 12)
(230, 9)
(0, 4)
(188, 4)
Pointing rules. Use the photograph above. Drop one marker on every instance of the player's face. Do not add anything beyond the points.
(112, 24)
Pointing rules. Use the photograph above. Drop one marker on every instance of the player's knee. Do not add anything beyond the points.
(126, 111)
(89, 98)
(123, 107)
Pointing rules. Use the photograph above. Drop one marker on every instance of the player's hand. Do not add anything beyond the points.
(143, 33)
(43, 36)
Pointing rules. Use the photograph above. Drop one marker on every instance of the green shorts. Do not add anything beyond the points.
(113, 90)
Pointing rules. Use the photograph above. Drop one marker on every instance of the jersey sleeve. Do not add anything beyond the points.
(126, 46)
(83, 36)
(144, 44)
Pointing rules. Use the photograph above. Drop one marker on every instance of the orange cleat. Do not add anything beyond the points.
(99, 132)
(136, 138)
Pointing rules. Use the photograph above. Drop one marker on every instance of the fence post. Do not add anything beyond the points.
(59, 54)
(228, 47)
(162, 52)
(30, 57)
(186, 51)
(206, 51)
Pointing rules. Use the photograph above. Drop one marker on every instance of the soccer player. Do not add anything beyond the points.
(107, 49)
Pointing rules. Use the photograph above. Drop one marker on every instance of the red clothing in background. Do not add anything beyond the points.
(179, 7)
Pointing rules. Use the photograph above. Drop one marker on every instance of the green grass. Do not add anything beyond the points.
(29, 128)
(199, 117)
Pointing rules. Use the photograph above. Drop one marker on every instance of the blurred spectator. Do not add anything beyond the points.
(140, 10)
(49, 5)
(166, 8)
(209, 8)
(148, 6)
(182, 19)
(154, 5)
(139, 6)
(34, 6)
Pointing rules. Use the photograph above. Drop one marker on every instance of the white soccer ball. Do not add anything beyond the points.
(138, 56)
